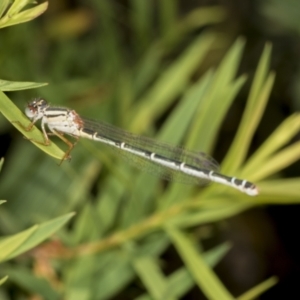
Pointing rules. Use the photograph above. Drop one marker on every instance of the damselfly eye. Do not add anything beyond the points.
(35, 107)
(32, 106)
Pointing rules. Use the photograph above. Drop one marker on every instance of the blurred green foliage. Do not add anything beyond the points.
(282, 21)
(164, 78)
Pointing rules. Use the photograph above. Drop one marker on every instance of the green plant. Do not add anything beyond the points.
(127, 219)
(16, 244)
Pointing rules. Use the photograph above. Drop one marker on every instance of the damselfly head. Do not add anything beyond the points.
(35, 109)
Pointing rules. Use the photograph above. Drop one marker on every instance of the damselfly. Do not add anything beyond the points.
(166, 161)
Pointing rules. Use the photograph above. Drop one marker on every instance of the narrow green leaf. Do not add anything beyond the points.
(35, 285)
(278, 161)
(141, 19)
(3, 6)
(40, 233)
(23, 16)
(218, 110)
(2, 201)
(13, 114)
(282, 135)
(119, 268)
(261, 75)
(211, 214)
(18, 5)
(151, 275)
(280, 191)
(80, 277)
(2, 280)
(256, 103)
(181, 281)
(170, 84)
(256, 291)
(1, 163)
(204, 131)
(168, 14)
(205, 278)
(175, 127)
(9, 244)
(202, 16)
(8, 86)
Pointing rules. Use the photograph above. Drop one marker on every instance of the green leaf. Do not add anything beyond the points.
(35, 284)
(152, 276)
(180, 281)
(206, 215)
(278, 161)
(18, 5)
(280, 191)
(171, 90)
(170, 84)
(1, 163)
(20, 17)
(8, 86)
(222, 87)
(281, 136)
(13, 114)
(3, 280)
(258, 290)
(9, 244)
(256, 103)
(15, 245)
(3, 6)
(205, 278)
